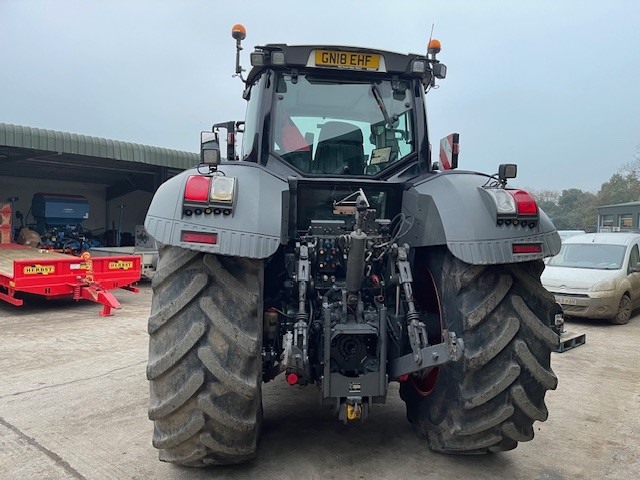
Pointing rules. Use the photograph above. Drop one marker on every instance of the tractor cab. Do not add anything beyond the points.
(332, 111)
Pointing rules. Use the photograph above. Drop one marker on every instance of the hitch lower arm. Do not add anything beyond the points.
(423, 355)
(450, 350)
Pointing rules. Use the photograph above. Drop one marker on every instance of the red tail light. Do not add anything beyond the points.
(197, 188)
(200, 237)
(525, 203)
(527, 248)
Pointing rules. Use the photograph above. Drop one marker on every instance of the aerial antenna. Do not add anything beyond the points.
(431, 34)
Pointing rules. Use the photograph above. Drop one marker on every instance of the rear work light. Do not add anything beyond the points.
(200, 237)
(197, 189)
(418, 66)
(222, 191)
(277, 58)
(505, 203)
(258, 59)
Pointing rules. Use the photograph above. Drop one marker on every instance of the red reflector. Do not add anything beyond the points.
(200, 237)
(292, 379)
(197, 188)
(525, 203)
(527, 248)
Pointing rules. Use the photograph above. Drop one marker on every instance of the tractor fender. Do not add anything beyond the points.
(451, 208)
(252, 230)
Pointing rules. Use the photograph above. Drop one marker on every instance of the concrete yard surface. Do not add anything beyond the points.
(73, 405)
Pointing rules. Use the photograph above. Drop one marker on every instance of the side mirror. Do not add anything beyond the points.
(209, 149)
(449, 151)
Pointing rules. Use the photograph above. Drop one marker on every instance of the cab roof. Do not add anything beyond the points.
(300, 56)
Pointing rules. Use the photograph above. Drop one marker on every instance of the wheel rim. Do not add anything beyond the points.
(425, 385)
(624, 310)
(428, 296)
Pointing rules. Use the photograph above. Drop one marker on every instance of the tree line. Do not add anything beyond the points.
(575, 209)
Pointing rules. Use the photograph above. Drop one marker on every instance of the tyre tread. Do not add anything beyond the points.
(204, 364)
(488, 400)
(167, 360)
(547, 335)
(186, 430)
(477, 359)
(233, 383)
(195, 286)
(183, 393)
(489, 304)
(501, 380)
(233, 334)
(485, 422)
(545, 377)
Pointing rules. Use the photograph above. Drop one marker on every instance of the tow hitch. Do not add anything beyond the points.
(450, 350)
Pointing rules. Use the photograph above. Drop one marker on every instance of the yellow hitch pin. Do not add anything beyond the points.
(354, 412)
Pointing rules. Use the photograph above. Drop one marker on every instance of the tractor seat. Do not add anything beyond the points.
(339, 150)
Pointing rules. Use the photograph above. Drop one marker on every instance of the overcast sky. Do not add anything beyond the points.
(552, 85)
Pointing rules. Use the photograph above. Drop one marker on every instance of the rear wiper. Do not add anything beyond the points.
(391, 121)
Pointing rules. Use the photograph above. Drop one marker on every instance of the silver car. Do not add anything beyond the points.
(596, 275)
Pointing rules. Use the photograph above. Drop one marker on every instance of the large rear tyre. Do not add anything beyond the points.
(205, 368)
(489, 399)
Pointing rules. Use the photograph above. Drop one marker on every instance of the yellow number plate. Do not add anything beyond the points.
(39, 269)
(357, 60)
(120, 265)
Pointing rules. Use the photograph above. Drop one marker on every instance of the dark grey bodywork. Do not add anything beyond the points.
(251, 231)
(447, 209)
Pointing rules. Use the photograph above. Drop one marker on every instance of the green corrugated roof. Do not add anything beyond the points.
(627, 204)
(72, 143)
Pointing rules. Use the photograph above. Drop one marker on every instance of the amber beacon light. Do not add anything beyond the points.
(434, 46)
(238, 31)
